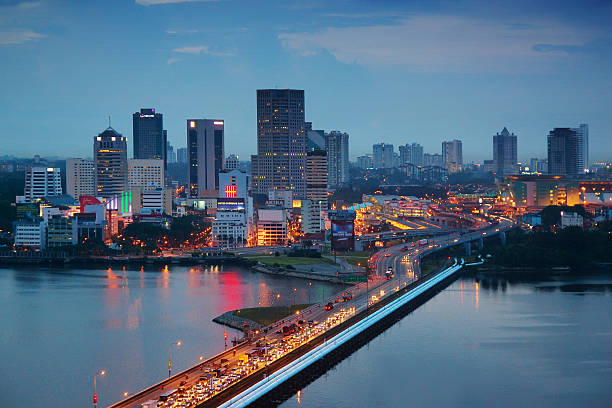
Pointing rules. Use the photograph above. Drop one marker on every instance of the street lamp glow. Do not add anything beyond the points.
(102, 372)
(178, 343)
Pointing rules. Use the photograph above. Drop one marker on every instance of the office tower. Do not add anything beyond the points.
(231, 162)
(315, 139)
(364, 162)
(181, 155)
(110, 161)
(149, 135)
(582, 133)
(337, 147)
(80, 178)
(382, 156)
(316, 176)
(452, 155)
(505, 153)
(42, 182)
(148, 173)
(563, 152)
(281, 142)
(411, 154)
(234, 217)
(206, 154)
(170, 153)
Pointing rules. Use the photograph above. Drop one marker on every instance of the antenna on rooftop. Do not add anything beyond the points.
(109, 120)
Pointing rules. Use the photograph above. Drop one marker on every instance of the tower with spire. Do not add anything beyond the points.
(110, 163)
(505, 159)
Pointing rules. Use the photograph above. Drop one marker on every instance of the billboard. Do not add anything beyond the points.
(230, 204)
(342, 235)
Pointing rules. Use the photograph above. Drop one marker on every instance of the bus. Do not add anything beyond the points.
(167, 394)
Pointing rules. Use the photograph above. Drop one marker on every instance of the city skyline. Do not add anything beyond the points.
(527, 67)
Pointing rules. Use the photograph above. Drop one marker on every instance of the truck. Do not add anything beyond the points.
(243, 359)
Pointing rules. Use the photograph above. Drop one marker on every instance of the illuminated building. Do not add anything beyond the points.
(337, 147)
(110, 161)
(314, 207)
(42, 182)
(29, 233)
(271, 226)
(382, 156)
(281, 142)
(452, 155)
(148, 173)
(60, 231)
(80, 177)
(206, 154)
(234, 217)
(149, 137)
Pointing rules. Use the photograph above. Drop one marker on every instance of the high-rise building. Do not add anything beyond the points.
(433, 160)
(452, 155)
(181, 155)
(563, 152)
(337, 147)
(315, 139)
(231, 162)
(148, 173)
(80, 177)
(364, 162)
(234, 217)
(537, 165)
(411, 154)
(382, 156)
(206, 151)
(281, 142)
(316, 176)
(42, 182)
(505, 153)
(170, 153)
(149, 135)
(582, 133)
(110, 161)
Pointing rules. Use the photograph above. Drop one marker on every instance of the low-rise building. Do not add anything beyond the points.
(570, 219)
(30, 233)
(271, 226)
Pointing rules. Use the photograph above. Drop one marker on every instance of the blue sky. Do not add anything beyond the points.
(398, 72)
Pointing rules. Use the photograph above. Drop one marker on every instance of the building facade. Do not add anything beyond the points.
(364, 162)
(110, 161)
(206, 155)
(148, 173)
(563, 152)
(181, 155)
(337, 147)
(582, 133)
(505, 153)
(281, 142)
(149, 137)
(452, 155)
(411, 154)
(42, 182)
(271, 226)
(382, 156)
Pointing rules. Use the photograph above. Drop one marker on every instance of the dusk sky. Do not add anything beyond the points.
(399, 72)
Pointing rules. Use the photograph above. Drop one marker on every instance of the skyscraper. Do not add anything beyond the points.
(42, 182)
(181, 155)
(563, 152)
(149, 135)
(316, 191)
(80, 177)
(411, 154)
(582, 132)
(281, 142)
(170, 153)
(337, 147)
(505, 153)
(452, 155)
(382, 156)
(206, 155)
(110, 161)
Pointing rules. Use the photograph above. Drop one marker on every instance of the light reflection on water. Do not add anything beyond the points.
(62, 325)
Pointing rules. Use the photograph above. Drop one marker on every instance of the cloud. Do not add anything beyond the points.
(18, 37)
(172, 61)
(440, 43)
(203, 49)
(181, 32)
(156, 2)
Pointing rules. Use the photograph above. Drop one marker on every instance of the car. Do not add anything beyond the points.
(329, 306)
(387, 255)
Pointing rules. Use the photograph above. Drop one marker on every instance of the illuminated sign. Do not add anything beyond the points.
(147, 116)
(218, 122)
(192, 124)
(50, 169)
(230, 191)
(230, 204)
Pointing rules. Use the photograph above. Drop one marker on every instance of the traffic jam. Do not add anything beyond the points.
(215, 379)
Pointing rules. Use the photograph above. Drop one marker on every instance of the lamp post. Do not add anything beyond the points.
(178, 344)
(95, 394)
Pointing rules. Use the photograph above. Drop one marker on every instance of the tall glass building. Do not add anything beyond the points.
(110, 161)
(205, 155)
(149, 136)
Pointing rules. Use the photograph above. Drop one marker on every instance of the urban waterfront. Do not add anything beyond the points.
(63, 325)
(542, 342)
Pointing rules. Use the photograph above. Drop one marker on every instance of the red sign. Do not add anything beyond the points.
(230, 191)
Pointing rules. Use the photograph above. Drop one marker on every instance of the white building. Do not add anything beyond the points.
(148, 173)
(30, 233)
(42, 182)
(271, 226)
(157, 198)
(234, 219)
(571, 219)
(80, 177)
(313, 216)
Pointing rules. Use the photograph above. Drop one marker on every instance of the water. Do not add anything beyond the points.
(543, 343)
(60, 326)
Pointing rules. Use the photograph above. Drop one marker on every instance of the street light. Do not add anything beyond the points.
(178, 344)
(95, 395)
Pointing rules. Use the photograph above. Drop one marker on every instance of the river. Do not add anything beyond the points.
(60, 326)
(544, 342)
